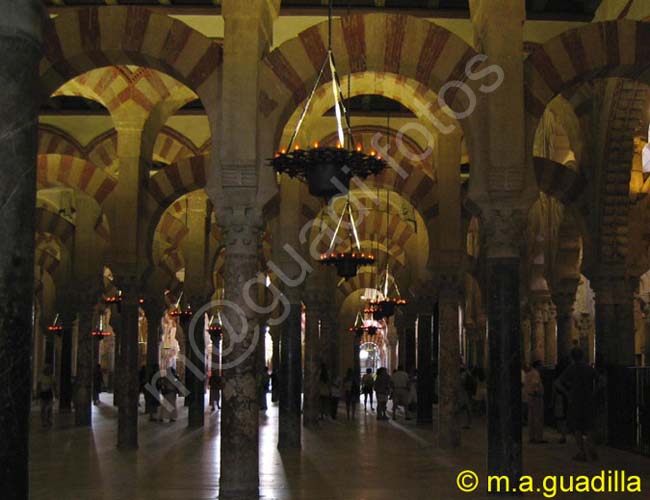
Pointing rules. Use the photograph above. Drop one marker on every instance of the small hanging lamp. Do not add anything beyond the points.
(215, 328)
(384, 304)
(347, 263)
(327, 170)
(181, 313)
(358, 329)
(99, 331)
(55, 328)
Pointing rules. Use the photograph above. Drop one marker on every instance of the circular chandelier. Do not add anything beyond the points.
(326, 170)
(55, 328)
(347, 263)
(358, 328)
(215, 329)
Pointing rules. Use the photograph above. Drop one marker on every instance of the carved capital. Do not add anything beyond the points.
(502, 231)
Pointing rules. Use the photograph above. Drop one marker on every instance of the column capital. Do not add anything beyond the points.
(502, 230)
(563, 301)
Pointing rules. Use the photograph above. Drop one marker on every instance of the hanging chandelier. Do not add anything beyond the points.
(384, 305)
(326, 170)
(358, 328)
(99, 331)
(183, 314)
(55, 328)
(215, 328)
(347, 263)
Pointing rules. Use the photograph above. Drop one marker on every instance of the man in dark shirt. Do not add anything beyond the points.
(578, 382)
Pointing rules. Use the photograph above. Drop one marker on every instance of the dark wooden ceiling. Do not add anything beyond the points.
(541, 9)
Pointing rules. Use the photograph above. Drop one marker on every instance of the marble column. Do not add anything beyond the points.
(84, 378)
(539, 332)
(502, 231)
(614, 320)
(127, 417)
(550, 336)
(153, 312)
(449, 364)
(311, 405)
(196, 356)
(408, 323)
(20, 53)
(527, 338)
(290, 380)
(425, 385)
(65, 377)
(564, 318)
(240, 404)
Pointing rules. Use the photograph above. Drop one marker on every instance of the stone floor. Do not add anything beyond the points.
(361, 460)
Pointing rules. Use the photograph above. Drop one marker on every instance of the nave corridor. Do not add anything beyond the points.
(364, 459)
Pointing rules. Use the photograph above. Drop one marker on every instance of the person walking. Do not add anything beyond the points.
(215, 390)
(263, 388)
(98, 382)
(579, 382)
(534, 391)
(367, 386)
(169, 391)
(351, 394)
(335, 396)
(152, 394)
(400, 390)
(324, 391)
(46, 393)
(467, 393)
(382, 390)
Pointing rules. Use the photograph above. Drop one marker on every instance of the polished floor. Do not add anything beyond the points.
(360, 460)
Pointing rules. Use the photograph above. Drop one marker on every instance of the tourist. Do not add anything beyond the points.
(335, 396)
(560, 403)
(367, 384)
(275, 387)
(263, 388)
(152, 394)
(400, 391)
(98, 381)
(324, 391)
(350, 393)
(169, 390)
(46, 393)
(413, 392)
(142, 379)
(467, 393)
(534, 391)
(382, 390)
(215, 390)
(579, 383)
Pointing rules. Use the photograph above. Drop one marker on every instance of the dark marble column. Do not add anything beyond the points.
(20, 53)
(240, 405)
(311, 403)
(425, 387)
(504, 381)
(564, 307)
(65, 381)
(290, 381)
(188, 374)
(449, 365)
(197, 359)
(153, 312)
(401, 348)
(127, 421)
(614, 321)
(84, 380)
(409, 348)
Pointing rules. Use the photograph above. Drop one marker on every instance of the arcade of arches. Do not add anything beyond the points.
(513, 217)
